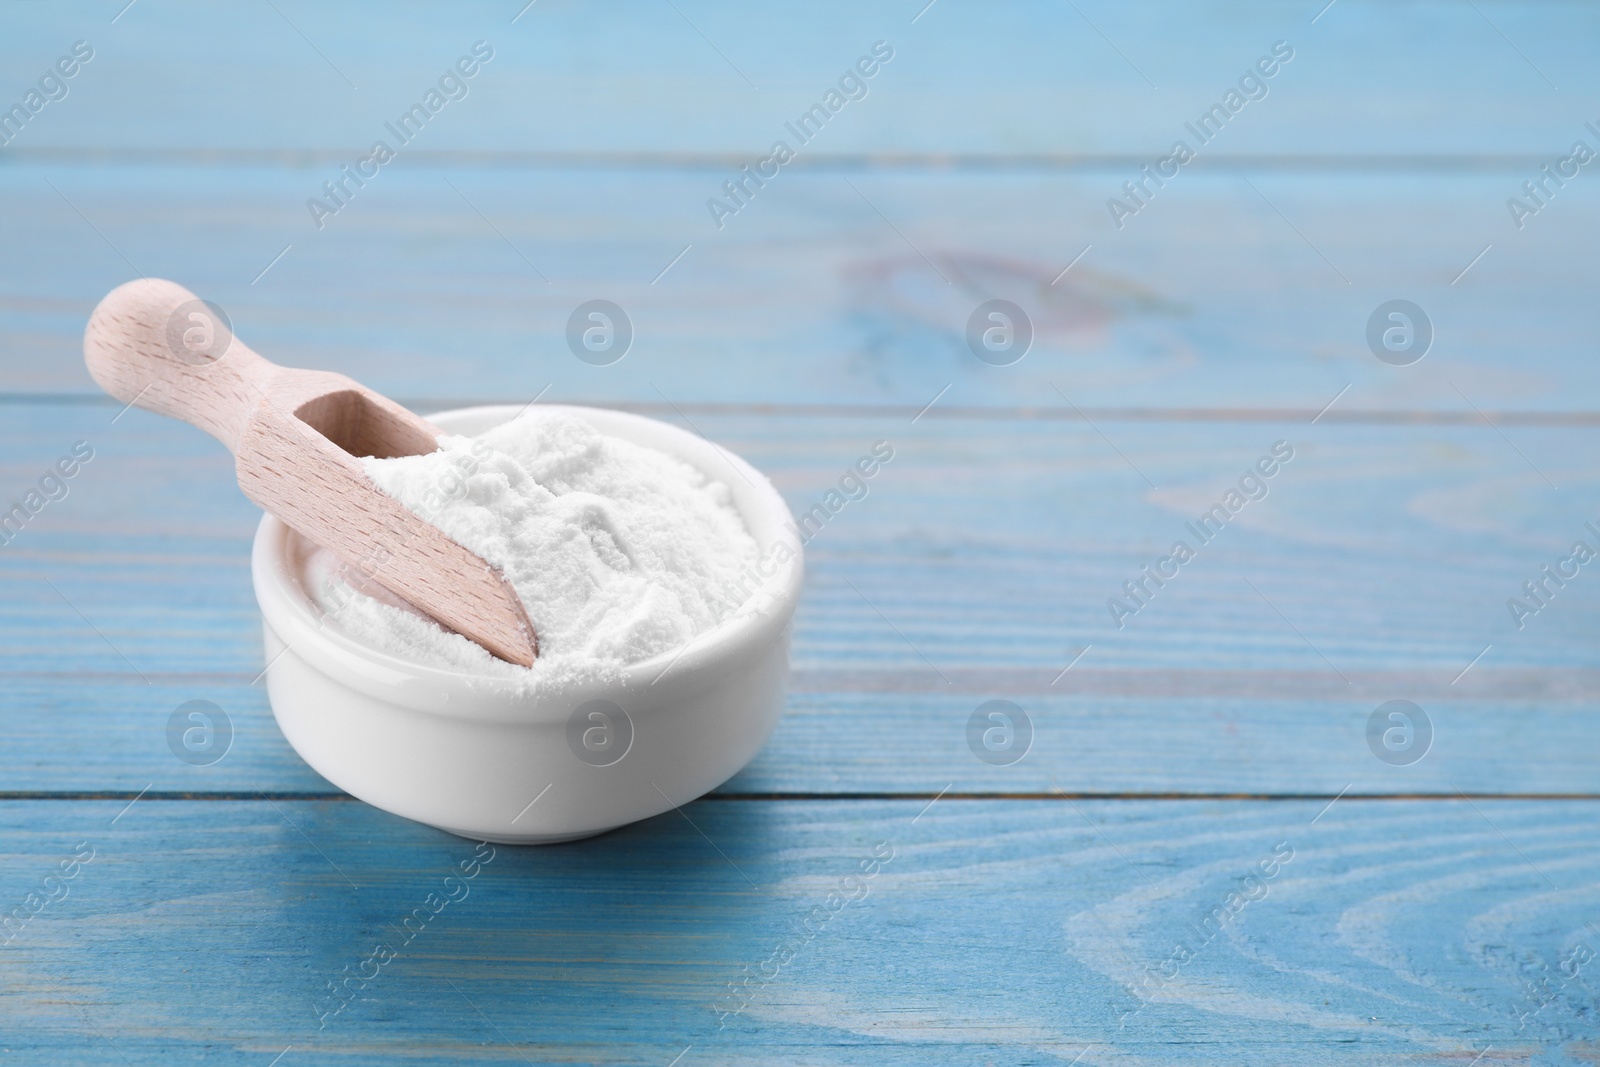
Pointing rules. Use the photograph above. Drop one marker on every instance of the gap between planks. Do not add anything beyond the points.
(975, 413)
(932, 162)
(841, 797)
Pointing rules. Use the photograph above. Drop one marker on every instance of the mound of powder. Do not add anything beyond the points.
(619, 552)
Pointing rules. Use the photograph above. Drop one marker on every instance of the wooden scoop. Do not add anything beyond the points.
(295, 435)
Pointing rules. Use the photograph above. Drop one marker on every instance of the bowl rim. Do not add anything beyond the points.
(762, 619)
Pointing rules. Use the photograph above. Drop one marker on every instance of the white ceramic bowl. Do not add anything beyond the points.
(471, 755)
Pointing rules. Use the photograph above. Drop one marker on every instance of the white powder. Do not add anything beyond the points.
(619, 552)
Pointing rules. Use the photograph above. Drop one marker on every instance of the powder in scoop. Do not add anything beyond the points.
(618, 551)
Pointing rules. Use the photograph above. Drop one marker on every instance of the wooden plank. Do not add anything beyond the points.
(1423, 78)
(1131, 932)
(975, 569)
(1209, 298)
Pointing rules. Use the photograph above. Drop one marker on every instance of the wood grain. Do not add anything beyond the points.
(1038, 925)
(1431, 78)
(974, 569)
(1207, 299)
(1398, 932)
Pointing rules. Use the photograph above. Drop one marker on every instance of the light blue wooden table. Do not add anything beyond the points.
(1207, 856)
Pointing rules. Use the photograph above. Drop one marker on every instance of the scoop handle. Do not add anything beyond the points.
(155, 344)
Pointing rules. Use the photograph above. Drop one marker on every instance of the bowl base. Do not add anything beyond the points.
(528, 839)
